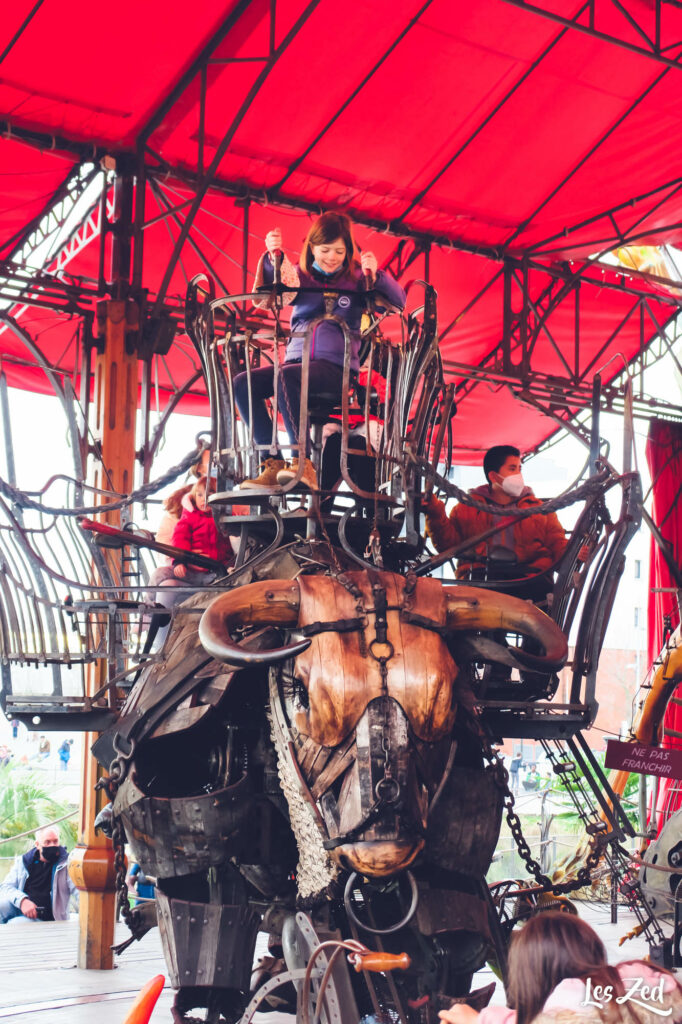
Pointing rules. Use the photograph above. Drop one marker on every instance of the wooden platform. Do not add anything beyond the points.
(42, 985)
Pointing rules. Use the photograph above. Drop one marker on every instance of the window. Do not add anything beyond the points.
(638, 569)
(638, 617)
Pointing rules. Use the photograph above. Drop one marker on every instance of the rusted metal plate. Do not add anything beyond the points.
(183, 835)
(207, 944)
(180, 720)
(447, 910)
(464, 826)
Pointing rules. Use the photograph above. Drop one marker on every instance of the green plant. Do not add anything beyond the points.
(629, 799)
(26, 805)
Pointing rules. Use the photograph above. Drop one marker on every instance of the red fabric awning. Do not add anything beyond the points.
(664, 458)
(487, 127)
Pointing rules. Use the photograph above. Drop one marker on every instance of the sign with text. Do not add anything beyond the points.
(633, 757)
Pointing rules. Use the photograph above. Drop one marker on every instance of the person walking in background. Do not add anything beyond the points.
(514, 767)
(64, 752)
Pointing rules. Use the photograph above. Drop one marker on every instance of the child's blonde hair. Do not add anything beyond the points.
(202, 481)
(173, 503)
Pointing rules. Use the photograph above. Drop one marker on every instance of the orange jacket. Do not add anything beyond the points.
(538, 541)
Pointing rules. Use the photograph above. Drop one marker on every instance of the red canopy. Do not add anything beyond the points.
(490, 130)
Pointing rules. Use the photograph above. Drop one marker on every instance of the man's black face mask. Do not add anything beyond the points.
(51, 854)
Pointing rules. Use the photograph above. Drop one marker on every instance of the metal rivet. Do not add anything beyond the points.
(192, 920)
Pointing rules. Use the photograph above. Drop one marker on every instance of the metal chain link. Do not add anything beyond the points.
(130, 916)
(110, 784)
(584, 874)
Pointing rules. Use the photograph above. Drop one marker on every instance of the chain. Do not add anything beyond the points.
(130, 916)
(584, 874)
(110, 784)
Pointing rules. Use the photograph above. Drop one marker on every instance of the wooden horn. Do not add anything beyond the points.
(269, 603)
(473, 608)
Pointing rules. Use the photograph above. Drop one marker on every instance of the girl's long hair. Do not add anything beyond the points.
(173, 503)
(551, 947)
(327, 228)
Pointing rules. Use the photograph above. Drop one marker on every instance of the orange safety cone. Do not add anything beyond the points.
(141, 1010)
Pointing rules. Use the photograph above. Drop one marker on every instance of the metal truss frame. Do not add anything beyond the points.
(533, 293)
(527, 311)
(654, 41)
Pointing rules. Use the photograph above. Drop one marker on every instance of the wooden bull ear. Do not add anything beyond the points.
(269, 603)
(473, 608)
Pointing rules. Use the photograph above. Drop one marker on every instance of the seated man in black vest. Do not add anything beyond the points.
(38, 886)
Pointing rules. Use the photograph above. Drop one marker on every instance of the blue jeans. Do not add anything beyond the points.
(323, 377)
(9, 911)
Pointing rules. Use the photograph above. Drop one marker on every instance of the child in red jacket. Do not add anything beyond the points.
(196, 531)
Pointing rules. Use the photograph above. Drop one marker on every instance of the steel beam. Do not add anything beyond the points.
(651, 48)
(583, 160)
(207, 178)
(486, 120)
(358, 89)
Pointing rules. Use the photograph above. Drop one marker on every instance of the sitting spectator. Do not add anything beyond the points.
(172, 511)
(525, 548)
(559, 974)
(195, 531)
(38, 886)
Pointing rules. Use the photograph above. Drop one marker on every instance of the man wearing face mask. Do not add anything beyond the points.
(523, 548)
(38, 886)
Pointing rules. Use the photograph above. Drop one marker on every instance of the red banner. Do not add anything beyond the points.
(633, 757)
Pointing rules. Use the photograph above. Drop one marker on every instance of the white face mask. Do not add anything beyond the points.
(513, 485)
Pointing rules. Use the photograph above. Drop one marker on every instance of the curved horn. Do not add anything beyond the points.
(478, 609)
(272, 603)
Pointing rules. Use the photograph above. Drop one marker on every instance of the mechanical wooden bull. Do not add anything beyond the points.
(342, 772)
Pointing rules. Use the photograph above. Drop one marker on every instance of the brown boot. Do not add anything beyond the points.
(309, 478)
(267, 477)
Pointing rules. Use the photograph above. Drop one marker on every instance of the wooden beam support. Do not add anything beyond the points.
(116, 389)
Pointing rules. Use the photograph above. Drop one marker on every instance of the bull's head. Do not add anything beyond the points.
(372, 738)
